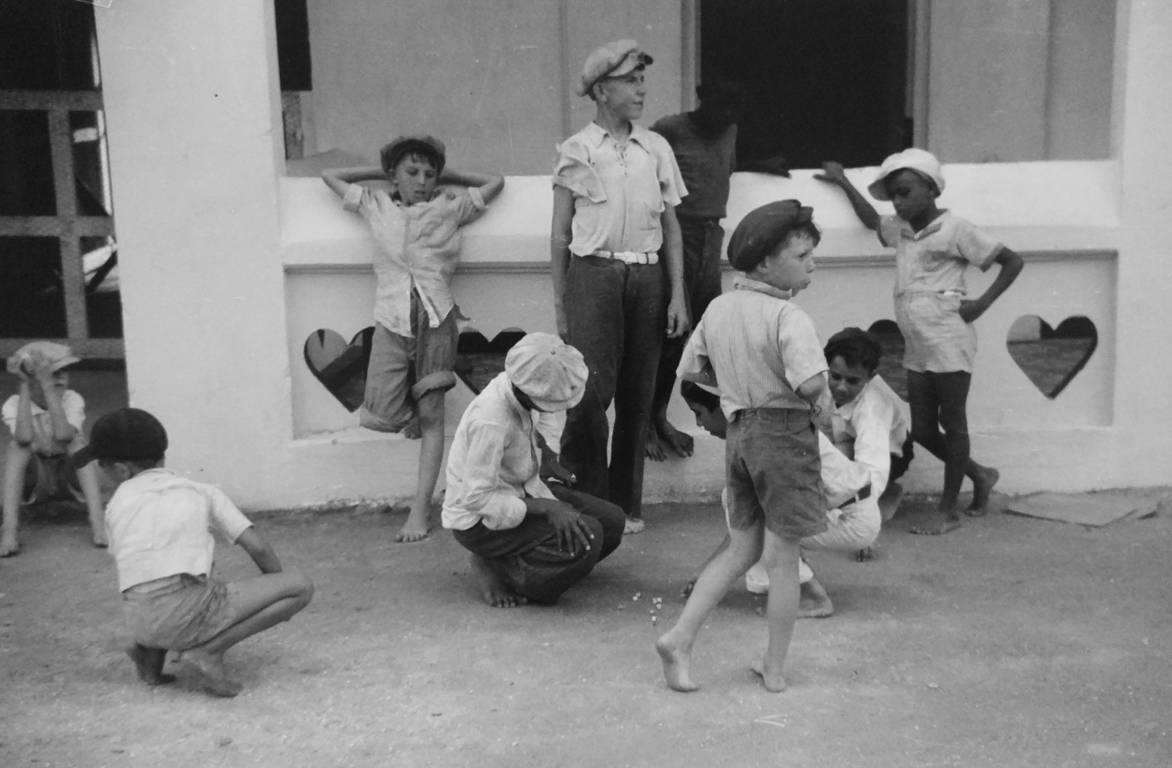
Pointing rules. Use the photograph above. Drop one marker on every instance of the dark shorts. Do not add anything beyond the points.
(178, 612)
(403, 369)
(773, 472)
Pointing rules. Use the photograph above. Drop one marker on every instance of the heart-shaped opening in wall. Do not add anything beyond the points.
(479, 360)
(886, 332)
(340, 365)
(1051, 357)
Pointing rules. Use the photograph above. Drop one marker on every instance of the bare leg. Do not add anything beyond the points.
(148, 663)
(782, 609)
(15, 463)
(493, 589)
(813, 601)
(938, 400)
(87, 477)
(261, 602)
(675, 645)
(431, 456)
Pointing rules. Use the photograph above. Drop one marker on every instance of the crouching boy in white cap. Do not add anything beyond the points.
(530, 541)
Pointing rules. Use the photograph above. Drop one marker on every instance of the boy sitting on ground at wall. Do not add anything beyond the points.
(413, 350)
(45, 419)
(869, 423)
(160, 527)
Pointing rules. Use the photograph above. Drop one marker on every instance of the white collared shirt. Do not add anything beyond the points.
(160, 524)
(934, 259)
(759, 346)
(620, 189)
(494, 461)
(871, 427)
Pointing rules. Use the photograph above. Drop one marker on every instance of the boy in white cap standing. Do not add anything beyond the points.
(616, 186)
(529, 541)
(933, 249)
(46, 420)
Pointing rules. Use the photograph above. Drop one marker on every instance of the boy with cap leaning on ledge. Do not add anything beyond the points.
(413, 350)
(530, 541)
(160, 527)
(46, 419)
(616, 186)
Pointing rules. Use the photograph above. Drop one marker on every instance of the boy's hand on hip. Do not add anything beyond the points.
(677, 319)
(970, 310)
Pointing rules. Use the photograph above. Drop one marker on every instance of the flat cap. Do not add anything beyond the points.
(614, 59)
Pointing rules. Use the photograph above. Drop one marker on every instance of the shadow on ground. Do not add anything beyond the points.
(1012, 642)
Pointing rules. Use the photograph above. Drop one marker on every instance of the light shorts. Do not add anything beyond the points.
(773, 471)
(935, 337)
(179, 612)
(403, 369)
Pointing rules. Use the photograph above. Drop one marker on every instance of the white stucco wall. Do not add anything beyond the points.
(225, 265)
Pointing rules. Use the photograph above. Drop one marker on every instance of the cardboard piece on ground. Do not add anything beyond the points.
(1083, 508)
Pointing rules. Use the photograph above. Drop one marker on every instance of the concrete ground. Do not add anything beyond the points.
(1012, 642)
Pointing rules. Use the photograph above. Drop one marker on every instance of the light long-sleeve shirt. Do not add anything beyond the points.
(870, 428)
(495, 460)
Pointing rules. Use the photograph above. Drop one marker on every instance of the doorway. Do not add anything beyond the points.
(825, 79)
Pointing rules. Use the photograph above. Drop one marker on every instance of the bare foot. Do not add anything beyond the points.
(679, 442)
(9, 546)
(634, 525)
(492, 588)
(947, 521)
(813, 601)
(416, 527)
(889, 501)
(209, 669)
(148, 663)
(773, 681)
(100, 540)
(677, 662)
(654, 448)
(983, 483)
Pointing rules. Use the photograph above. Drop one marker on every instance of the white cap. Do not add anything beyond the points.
(921, 161)
(551, 373)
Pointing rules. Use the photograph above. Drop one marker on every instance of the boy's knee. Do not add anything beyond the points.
(303, 589)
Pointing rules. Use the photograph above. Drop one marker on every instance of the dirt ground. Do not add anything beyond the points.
(1012, 642)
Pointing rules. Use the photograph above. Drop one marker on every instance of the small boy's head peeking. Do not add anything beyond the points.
(413, 165)
(775, 244)
(705, 406)
(546, 373)
(619, 61)
(45, 356)
(911, 180)
(125, 442)
(852, 357)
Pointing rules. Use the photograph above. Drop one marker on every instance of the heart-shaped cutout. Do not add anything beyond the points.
(479, 360)
(1051, 357)
(340, 365)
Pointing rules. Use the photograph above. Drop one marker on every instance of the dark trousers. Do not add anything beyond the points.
(703, 239)
(528, 558)
(617, 317)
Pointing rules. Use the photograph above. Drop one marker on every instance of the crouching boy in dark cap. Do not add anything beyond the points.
(530, 541)
(761, 351)
(160, 529)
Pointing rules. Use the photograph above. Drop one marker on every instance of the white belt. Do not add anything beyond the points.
(629, 257)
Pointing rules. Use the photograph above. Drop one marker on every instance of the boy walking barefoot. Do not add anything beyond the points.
(45, 419)
(762, 352)
(413, 350)
(160, 527)
(933, 249)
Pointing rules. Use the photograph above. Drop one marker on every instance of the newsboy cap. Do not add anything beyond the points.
(614, 59)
